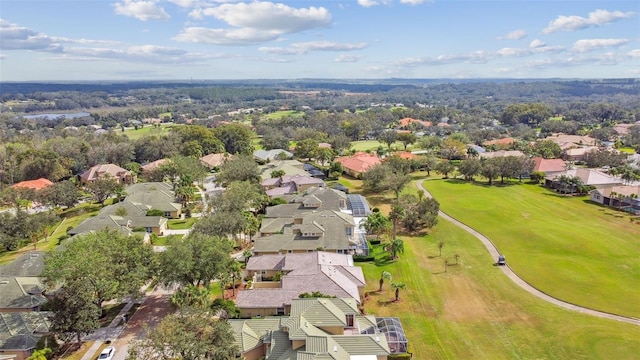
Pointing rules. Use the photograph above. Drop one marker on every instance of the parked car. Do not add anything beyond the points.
(107, 353)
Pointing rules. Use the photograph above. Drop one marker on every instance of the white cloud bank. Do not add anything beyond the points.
(142, 10)
(254, 22)
(595, 18)
(585, 45)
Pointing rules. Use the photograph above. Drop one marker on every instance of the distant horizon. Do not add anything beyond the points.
(149, 40)
(637, 78)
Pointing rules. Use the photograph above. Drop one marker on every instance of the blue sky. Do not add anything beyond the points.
(365, 39)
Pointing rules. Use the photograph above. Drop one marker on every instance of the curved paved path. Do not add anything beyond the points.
(493, 251)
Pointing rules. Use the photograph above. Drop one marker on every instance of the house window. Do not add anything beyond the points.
(167, 214)
(280, 311)
(349, 231)
(350, 320)
(149, 230)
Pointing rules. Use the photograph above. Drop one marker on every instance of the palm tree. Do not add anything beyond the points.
(397, 212)
(385, 275)
(246, 254)
(396, 247)
(398, 285)
(376, 223)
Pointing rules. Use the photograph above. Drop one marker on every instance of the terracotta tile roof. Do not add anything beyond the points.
(503, 141)
(37, 184)
(100, 170)
(214, 160)
(406, 155)
(153, 165)
(548, 165)
(359, 162)
(407, 121)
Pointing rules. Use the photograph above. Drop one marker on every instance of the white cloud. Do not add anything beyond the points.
(371, 3)
(14, 37)
(347, 58)
(144, 53)
(412, 2)
(225, 36)
(634, 53)
(305, 47)
(254, 23)
(368, 3)
(536, 43)
(514, 35)
(585, 45)
(270, 16)
(513, 52)
(141, 10)
(2, 56)
(596, 18)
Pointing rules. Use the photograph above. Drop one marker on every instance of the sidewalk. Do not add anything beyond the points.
(108, 333)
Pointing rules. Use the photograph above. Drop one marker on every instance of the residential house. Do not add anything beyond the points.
(320, 329)
(131, 214)
(155, 196)
(279, 279)
(290, 167)
(625, 197)
(549, 166)
(591, 177)
(327, 230)
(405, 123)
(22, 292)
(271, 155)
(570, 141)
(20, 333)
(125, 216)
(21, 287)
(577, 153)
(153, 166)
(312, 199)
(214, 161)
(37, 184)
(500, 144)
(315, 199)
(290, 184)
(123, 176)
(358, 163)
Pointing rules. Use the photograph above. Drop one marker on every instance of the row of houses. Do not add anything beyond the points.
(131, 214)
(306, 246)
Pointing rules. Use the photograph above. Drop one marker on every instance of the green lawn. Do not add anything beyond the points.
(148, 130)
(565, 246)
(181, 224)
(474, 312)
(166, 240)
(282, 113)
(70, 218)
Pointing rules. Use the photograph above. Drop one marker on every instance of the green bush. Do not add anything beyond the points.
(399, 356)
(155, 212)
(361, 258)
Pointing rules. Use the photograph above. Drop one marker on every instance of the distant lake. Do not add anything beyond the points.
(56, 116)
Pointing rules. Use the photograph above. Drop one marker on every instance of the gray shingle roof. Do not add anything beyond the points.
(329, 273)
(305, 325)
(28, 264)
(22, 330)
(21, 292)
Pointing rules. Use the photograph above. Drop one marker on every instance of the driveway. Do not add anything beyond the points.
(493, 250)
(155, 307)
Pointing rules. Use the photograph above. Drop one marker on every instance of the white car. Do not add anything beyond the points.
(107, 353)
